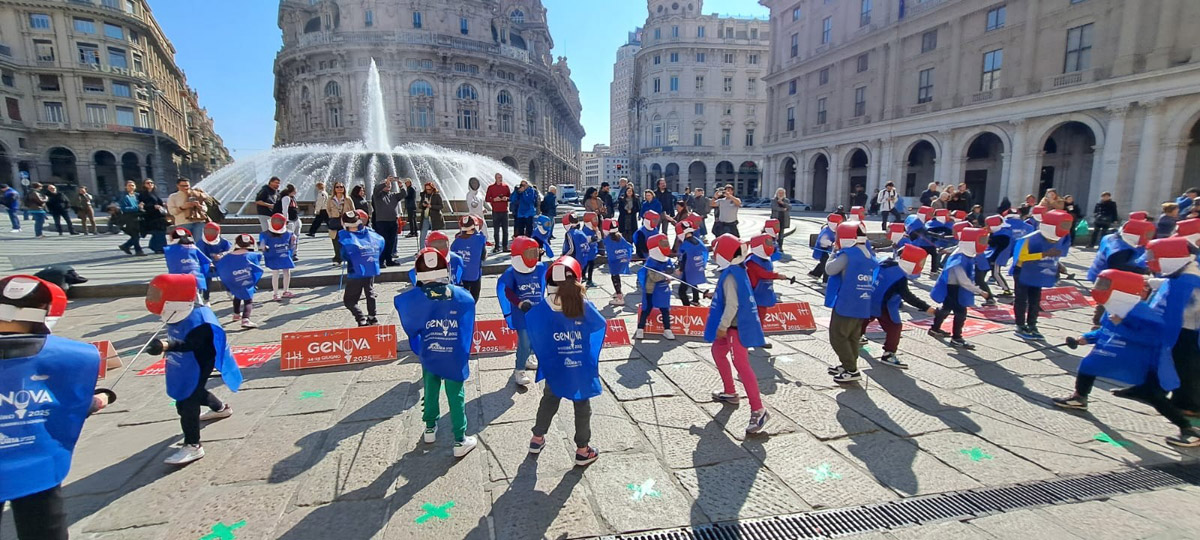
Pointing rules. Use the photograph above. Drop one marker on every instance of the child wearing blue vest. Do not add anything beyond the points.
(276, 245)
(214, 247)
(439, 320)
(1001, 237)
(470, 244)
(240, 271)
(693, 258)
(891, 289)
(620, 253)
(577, 242)
(1122, 250)
(653, 281)
(849, 292)
(1034, 267)
(195, 347)
(649, 228)
(361, 249)
(568, 342)
(590, 250)
(826, 239)
(760, 267)
(956, 288)
(438, 240)
(733, 325)
(543, 232)
(183, 257)
(519, 288)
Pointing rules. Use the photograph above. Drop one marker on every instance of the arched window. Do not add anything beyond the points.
(313, 25)
(334, 117)
(304, 94)
(504, 98)
(420, 88)
(468, 119)
(467, 91)
(530, 117)
(420, 116)
(517, 16)
(332, 89)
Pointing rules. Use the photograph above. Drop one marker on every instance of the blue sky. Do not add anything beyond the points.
(229, 59)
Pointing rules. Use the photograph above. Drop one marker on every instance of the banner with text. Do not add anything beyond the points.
(337, 347)
(1060, 298)
(246, 357)
(617, 334)
(788, 317)
(493, 336)
(685, 321)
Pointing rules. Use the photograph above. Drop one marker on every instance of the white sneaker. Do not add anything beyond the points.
(247, 323)
(217, 415)
(618, 300)
(521, 378)
(531, 363)
(430, 435)
(668, 334)
(463, 448)
(186, 454)
(639, 334)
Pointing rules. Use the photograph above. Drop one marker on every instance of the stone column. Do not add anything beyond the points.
(1173, 159)
(1130, 20)
(874, 167)
(888, 167)
(833, 188)
(944, 164)
(1164, 34)
(1148, 156)
(1114, 138)
(1015, 168)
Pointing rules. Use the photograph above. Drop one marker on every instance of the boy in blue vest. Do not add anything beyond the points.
(361, 249)
(240, 271)
(693, 258)
(438, 240)
(620, 254)
(183, 257)
(849, 293)
(470, 244)
(59, 375)
(439, 320)
(649, 228)
(1035, 266)
(213, 246)
(999, 250)
(1177, 300)
(519, 288)
(897, 236)
(918, 234)
(543, 232)
(1122, 250)
(826, 239)
(891, 289)
(955, 287)
(195, 347)
(1129, 348)
(591, 251)
(653, 281)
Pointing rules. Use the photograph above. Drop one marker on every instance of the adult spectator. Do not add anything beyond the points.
(962, 199)
(942, 201)
(1104, 217)
(264, 202)
(650, 204)
(291, 210)
(931, 192)
(386, 200)
(358, 195)
(497, 196)
(85, 211)
(976, 217)
(549, 207)
(1052, 201)
(889, 201)
(430, 204)
(1186, 200)
(183, 208)
(35, 205)
(11, 201)
(727, 207)
(154, 215)
(592, 202)
(475, 203)
(129, 219)
(667, 199)
(629, 210)
(1076, 214)
(858, 197)
(781, 209)
(525, 203)
(410, 207)
(1166, 221)
(607, 198)
(57, 204)
(700, 206)
(322, 201)
(339, 204)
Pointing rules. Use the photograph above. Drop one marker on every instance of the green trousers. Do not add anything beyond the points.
(454, 395)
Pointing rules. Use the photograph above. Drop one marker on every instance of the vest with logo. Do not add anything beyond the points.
(693, 257)
(1040, 273)
(568, 350)
(764, 292)
(277, 250)
(885, 276)
(529, 286)
(965, 296)
(183, 370)
(849, 292)
(439, 330)
(1129, 352)
(239, 273)
(472, 250)
(620, 253)
(188, 259)
(749, 326)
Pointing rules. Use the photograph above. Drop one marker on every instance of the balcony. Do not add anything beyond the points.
(1069, 79)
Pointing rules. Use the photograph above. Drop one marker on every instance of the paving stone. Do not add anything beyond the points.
(900, 465)
(929, 372)
(1027, 365)
(612, 429)
(1048, 451)
(740, 489)
(407, 368)
(431, 475)
(635, 379)
(545, 504)
(803, 368)
(821, 476)
(951, 530)
(939, 352)
(314, 393)
(633, 492)
(250, 408)
(140, 533)
(116, 455)
(502, 401)
(819, 414)
(618, 353)
(366, 401)
(278, 451)
(351, 519)
(888, 412)
(509, 445)
(1020, 524)
(980, 459)
(1097, 520)
(1163, 507)
(497, 362)
(260, 506)
(1005, 404)
(920, 394)
(682, 433)
(736, 418)
(696, 379)
(353, 463)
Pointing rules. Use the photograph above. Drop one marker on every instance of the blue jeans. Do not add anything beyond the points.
(524, 348)
(196, 229)
(39, 219)
(426, 226)
(12, 215)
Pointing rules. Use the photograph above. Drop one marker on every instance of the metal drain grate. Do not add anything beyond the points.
(934, 508)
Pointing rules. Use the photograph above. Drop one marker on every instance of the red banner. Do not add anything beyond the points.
(246, 357)
(685, 321)
(337, 347)
(1060, 298)
(971, 328)
(107, 351)
(617, 334)
(789, 317)
(493, 336)
(1001, 313)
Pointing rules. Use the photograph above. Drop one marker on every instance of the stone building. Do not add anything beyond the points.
(90, 87)
(474, 75)
(699, 101)
(1009, 96)
(619, 93)
(603, 164)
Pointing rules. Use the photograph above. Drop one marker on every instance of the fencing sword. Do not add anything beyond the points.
(674, 278)
(137, 356)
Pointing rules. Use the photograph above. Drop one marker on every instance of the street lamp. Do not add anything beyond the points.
(154, 93)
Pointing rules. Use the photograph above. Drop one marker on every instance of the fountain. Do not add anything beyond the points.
(360, 162)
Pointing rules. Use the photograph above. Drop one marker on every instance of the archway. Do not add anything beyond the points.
(788, 170)
(725, 174)
(1191, 165)
(697, 175)
(107, 183)
(533, 172)
(918, 174)
(656, 172)
(62, 166)
(856, 171)
(984, 162)
(747, 180)
(510, 161)
(820, 182)
(131, 167)
(6, 168)
(672, 177)
(1067, 162)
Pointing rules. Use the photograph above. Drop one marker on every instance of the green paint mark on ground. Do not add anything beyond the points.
(221, 531)
(172, 402)
(975, 454)
(1106, 438)
(822, 473)
(123, 317)
(643, 490)
(312, 395)
(435, 511)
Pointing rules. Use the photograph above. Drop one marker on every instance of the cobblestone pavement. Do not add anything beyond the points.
(336, 453)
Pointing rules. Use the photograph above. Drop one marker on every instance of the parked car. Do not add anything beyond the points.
(799, 206)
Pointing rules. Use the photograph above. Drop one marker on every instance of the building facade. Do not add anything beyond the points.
(603, 164)
(474, 75)
(619, 93)
(699, 102)
(90, 88)
(1011, 97)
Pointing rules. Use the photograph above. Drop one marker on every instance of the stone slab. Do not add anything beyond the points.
(739, 489)
(612, 429)
(503, 401)
(821, 476)
(683, 434)
(736, 418)
(350, 519)
(634, 492)
(429, 474)
(314, 392)
(698, 380)
(260, 506)
(980, 459)
(819, 414)
(1100, 520)
(509, 446)
(545, 504)
(635, 379)
(276, 452)
(900, 465)
(1020, 523)
(888, 412)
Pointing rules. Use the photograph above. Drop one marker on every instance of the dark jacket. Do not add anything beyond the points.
(781, 209)
(549, 204)
(434, 211)
(928, 196)
(666, 199)
(386, 203)
(57, 203)
(607, 198)
(152, 219)
(1105, 213)
(269, 196)
(410, 198)
(35, 201)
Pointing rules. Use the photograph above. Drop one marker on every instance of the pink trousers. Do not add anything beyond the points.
(722, 349)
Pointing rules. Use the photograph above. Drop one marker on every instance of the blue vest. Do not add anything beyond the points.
(885, 276)
(904, 241)
(1169, 301)
(764, 292)
(454, 268)
(568, 350)
(1041, 273)
(240, 273)
(277, 250)
(966, 298)
(1130, 351)
(183, 371)
(849, 292)
(213, 250)
(472, 250)
(46, 397)
(575, 244)
(825, 234)
(529, 286)
(361, 250)
(1109, 246)
(749, 327)
(1001, 258)
(543, 238)
(944, 231)
(185, 259)
(620, 253)
(1018, 226)
(592, 247)
(639, 239)
(439, 331)
(660, 295)
(693, 257)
